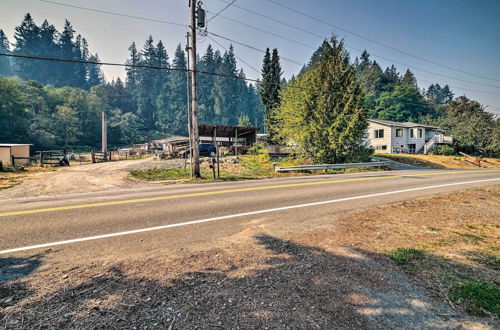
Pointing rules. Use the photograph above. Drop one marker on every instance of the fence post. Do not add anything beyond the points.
(13, 161)
(92, 153)
(1, 166)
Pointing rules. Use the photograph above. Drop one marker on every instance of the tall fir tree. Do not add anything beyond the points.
(27, 41)
(322, 110)
(270, 93)
(5, 64)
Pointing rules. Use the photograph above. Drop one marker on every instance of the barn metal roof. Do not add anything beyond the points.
(226, 131)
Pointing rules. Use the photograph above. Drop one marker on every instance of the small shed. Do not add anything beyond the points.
(9, 150)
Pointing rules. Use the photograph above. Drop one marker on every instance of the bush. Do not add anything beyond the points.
(444, 150)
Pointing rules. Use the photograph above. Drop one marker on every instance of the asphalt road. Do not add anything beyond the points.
(173, 216)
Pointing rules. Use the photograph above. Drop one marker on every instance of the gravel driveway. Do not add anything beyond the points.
(87, 178)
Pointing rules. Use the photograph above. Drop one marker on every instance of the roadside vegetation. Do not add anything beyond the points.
(243, 167)
(447, 243)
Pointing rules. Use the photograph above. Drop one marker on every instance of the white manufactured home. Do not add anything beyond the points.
(395, 137)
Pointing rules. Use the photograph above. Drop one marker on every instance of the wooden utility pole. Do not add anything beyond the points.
(194, 104)
(104, 132)
(188, 112)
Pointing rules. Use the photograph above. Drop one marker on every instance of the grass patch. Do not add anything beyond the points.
(160, 174)
(405, 256)
(480, 297)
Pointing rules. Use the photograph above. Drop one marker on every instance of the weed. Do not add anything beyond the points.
(480, 297)
(405, 256)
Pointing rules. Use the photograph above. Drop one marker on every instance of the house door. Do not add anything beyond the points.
(412, 148)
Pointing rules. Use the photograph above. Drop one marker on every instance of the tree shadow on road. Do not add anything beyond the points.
(276, 284)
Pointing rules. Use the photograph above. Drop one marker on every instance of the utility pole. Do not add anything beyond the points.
(188, 112)
(194, 106)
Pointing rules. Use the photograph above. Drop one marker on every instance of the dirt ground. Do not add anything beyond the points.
(328, 276)
(83, 178)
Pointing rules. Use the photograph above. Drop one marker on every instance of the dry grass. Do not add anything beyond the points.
(10, 179)
(437, 161)
(455, 239)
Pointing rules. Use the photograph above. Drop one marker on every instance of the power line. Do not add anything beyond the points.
(380, 43)
(375, 55)
(309, 46)
(267, 32)
(239, 58)
(287, 59)
(217, 14)
(115, 13)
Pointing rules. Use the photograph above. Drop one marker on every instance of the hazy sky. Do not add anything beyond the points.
(463, 34)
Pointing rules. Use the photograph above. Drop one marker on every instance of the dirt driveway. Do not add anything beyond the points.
(87, 178)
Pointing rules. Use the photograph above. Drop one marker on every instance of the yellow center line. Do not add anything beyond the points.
(218, 192)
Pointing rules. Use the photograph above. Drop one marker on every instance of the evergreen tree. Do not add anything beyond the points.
(322, 110)
(48, 48)
(146, 93)
(133, 72)
(390, 78)
(94, 75)
(173, 119)
(27, 38)
(409, 79)
(5, 65)
(70, 73)
(270, 88)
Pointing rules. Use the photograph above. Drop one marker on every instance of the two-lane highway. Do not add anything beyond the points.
(170, 216)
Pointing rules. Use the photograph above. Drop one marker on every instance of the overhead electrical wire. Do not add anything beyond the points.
(217, 14)
(115, 13)
(239, 58)
(381, 43)
(357, 49)
(287, 59)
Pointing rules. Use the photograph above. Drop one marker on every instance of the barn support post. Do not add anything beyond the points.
(236, 142)
(217, 151)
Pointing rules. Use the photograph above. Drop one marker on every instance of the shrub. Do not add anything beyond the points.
(444, 150)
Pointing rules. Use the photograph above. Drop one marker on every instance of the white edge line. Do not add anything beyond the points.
(193, 222)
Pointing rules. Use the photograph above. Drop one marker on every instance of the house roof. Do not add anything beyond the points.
(399, 124)
(13, 144)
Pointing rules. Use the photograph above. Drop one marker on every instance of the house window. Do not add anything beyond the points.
(384, 147)
(411, 133)
(379, 133)
(420, 132)
(399, 132)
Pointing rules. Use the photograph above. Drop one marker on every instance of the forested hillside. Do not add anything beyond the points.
(63, 106)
